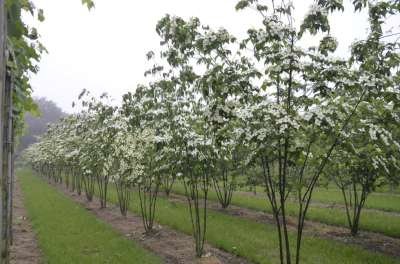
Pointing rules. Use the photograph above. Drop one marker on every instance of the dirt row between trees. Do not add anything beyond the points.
(25, 249)
(172, 246)
(368, 240)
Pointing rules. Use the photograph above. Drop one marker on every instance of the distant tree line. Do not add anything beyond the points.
(36, 125)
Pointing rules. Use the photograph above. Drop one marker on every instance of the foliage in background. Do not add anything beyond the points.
(37, 125)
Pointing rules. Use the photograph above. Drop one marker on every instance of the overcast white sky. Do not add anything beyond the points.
(104, 50)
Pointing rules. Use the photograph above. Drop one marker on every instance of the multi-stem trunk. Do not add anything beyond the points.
(67, 177)
(224, 187)
(89, 183)
(168, 183)
(102, 182)
(354, 201)
(123, 193)
(271, 190)
(196, 191)
(73, 180)
(79, 181)
(148, 193)
(304, 199)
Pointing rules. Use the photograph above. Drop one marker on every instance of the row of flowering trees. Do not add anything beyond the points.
(216, 108)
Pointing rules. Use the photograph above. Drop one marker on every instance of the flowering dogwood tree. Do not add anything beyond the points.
(310, 100)
(98, 131)
(366, 157)
(145, 120)
(125, 163)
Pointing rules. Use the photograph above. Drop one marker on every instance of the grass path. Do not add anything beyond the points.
(25, 248)
(69, 234)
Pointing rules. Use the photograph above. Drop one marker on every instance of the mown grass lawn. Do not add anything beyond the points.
(375, 221)
(331, 195)
(68, 234)
(380, 201)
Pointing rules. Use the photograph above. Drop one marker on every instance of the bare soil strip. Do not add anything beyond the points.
(25, 249)
(368, 240)
(172, 246)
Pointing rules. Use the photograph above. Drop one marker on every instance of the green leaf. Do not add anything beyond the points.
(40, 15)
(242, 4)
(88, 3)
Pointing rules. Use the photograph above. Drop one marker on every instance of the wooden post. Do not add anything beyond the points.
(3, 34)
(11, 187)
(7, 160)
(10, 159)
